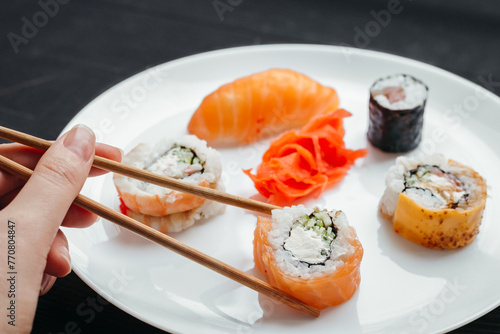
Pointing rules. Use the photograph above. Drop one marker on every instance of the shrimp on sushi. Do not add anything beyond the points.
(187, 158)
(179, 221)
(311, 254)
(259, 106)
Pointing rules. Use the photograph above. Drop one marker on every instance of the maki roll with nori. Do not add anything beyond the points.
(397, 106)
(435, 202)
(311, 254)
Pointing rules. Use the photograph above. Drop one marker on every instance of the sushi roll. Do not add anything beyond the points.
(186, 158)
(177, 222)
(435, 202)
(311, 254)
(396, 117)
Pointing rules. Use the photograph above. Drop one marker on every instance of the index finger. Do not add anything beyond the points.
(108, 152)
(29, 157)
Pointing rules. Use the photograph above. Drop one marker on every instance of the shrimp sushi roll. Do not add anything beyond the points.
(396, 117)
(435, 202)
(177, 222)
(187, 158)
(259, 106)
(311, 254)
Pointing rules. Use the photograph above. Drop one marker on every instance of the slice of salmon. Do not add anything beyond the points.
(259, 106)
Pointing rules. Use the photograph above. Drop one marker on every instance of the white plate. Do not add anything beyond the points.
(405, 288)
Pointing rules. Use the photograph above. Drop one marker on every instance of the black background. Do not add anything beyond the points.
(88, 46)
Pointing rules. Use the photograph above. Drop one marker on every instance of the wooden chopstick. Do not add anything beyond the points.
(143, 175)
(172, 244)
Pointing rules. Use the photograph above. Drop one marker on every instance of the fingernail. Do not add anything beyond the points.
(64, 252)
(122, 153)
(81, 141)
(45, 282)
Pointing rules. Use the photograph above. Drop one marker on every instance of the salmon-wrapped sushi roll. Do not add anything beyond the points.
(187, 158)
(435, 202)
(312, 254)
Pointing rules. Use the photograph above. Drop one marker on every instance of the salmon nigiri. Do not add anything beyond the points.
(312, 254)
(259, 106)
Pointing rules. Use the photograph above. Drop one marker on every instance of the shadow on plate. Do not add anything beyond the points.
(446, 263)
(249, 310)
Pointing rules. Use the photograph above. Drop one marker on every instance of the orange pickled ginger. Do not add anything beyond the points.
(306, 162)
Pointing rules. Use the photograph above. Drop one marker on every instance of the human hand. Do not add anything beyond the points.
(31, 214)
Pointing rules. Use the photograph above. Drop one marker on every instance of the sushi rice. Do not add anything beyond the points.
(293, 266)
(410, 91)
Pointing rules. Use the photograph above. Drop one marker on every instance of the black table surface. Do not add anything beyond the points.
(58, 55)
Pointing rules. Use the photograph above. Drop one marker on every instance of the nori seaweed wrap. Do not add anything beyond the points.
(397, 106)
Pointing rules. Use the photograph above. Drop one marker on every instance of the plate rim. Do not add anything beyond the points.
(268, 48)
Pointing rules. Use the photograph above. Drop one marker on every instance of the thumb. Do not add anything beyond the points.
(37, 211)
(56, 181)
